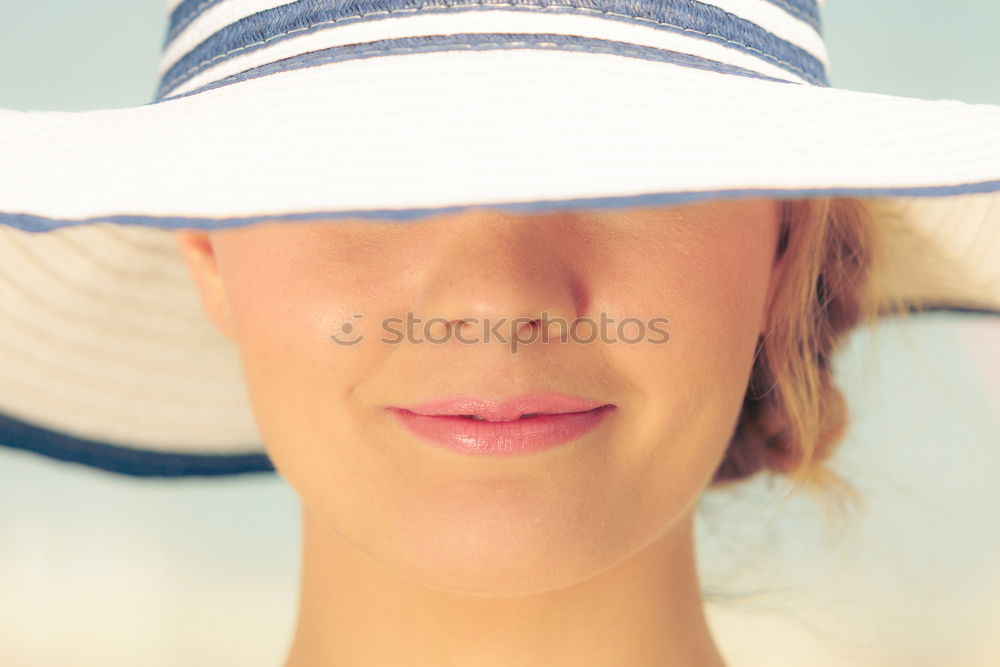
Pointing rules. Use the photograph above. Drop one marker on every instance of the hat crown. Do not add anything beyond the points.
(213, 42)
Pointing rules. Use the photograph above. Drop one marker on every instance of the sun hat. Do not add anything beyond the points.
(397, 110)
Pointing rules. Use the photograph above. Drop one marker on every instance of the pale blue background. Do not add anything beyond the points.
(98, 569)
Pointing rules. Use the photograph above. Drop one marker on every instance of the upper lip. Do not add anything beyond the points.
(504, 409)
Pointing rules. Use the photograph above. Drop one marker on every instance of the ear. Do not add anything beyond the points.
(199, 255)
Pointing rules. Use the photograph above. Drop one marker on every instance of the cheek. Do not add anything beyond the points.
(717, 325)
(284, 314)
(713, 292)
(724, 307)
(712, 284)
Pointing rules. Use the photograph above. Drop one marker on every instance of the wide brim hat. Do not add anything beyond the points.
(394, 110)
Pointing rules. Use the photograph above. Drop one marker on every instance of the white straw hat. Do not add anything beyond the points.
(396, 110)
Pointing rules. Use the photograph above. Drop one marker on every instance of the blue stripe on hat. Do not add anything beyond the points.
(189, 10)
(36, 223)
(305, 16)
(17, 434)
(475, 41)
(804, 10)
(182, 16)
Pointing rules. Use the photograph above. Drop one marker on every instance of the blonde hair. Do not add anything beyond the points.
(793, 414)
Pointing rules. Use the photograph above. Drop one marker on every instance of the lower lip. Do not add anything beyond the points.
(519, 436)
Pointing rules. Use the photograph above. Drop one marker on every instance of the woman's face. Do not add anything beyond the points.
(496, 524)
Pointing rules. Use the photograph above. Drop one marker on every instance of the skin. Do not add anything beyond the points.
(417, 555)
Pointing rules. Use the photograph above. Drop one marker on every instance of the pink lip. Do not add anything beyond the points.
(561, 418)
(512, 408)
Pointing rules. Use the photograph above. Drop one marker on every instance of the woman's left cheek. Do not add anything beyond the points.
(730, 312)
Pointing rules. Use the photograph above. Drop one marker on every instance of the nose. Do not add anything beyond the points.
(492, 265)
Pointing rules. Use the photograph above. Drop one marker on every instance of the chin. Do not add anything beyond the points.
(499, 551)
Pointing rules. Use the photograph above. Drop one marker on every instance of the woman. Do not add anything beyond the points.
(424, 540)
(578, 548)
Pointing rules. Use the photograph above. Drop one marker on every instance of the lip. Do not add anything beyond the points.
(504, 429)
(504, 410)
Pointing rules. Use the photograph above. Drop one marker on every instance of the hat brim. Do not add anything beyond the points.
(105, 342)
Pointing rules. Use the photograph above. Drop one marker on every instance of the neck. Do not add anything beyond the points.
(644, 611)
